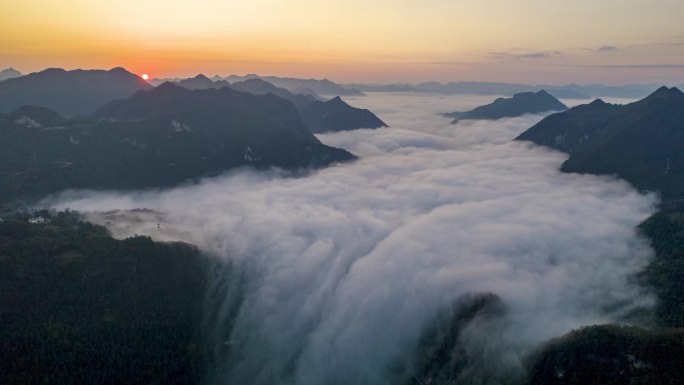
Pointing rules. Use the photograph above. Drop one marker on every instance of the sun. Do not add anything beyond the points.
(145, 76)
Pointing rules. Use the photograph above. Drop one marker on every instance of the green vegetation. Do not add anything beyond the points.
(79, 307)
(666, 272)
(611, 355)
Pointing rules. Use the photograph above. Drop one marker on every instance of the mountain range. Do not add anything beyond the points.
(568, 91)
(156, 138)
(640, 142)
(518, 105)
(77, 92)
(319, 116)
(295, 85)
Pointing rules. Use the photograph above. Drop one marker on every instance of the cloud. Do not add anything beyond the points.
(529, 55)
(345, 267)
(626, 66)
(607, 48)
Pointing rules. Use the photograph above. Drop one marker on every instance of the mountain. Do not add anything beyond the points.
(319, 116)
(320, 87)
(9, 73)
(155, 138)
(336, 115)
(258, 86)
(200, 82)
(519, 104)
(69, 92)
(640, 142)
(333, 115)
(567, 91)
(80, 307)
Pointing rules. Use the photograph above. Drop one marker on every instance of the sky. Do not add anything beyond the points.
(371, 41)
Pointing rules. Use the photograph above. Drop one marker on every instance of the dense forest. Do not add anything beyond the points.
(79, 307)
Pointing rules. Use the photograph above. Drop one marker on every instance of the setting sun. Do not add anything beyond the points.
(145, 76)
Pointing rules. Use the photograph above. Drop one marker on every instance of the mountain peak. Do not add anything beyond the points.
(120, 70)
(168, 87)
(517, 105)
(664, 92)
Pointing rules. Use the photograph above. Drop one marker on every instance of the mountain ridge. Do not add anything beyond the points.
(74, 92)
(517, 105)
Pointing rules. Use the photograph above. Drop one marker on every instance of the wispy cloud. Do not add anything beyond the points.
(527, 55)
(635, 66)
(607, 48)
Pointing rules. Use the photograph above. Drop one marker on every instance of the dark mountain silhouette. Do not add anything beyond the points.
(9, 73)
(336, 115)
(319, 116)
(200, 82)
(69, 92)
(155, 138)
(641, 142)
(519, 104)
(257, 86)
(320, 87)
(567, 91)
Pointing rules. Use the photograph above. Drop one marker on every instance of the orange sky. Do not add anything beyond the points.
(612, 41)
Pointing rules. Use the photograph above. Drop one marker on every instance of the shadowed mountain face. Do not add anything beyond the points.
(319, 116)
(519, 104)
(156, 138)
(333, 115)
(260, 87)
(69, 92)
(336, 115)
(641, 142)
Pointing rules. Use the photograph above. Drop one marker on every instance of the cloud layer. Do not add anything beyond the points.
(344, 268)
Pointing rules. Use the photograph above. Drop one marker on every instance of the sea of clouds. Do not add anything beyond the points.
(344, 268)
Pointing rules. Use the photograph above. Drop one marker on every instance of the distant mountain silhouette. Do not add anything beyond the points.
(258, 86)
(9, 73)
(201, 82)
(567, 91)
(336, 115)
(69, 92)
(155, 138)
(320, 87)
(641, 142)
(519, 104)
(319, 116)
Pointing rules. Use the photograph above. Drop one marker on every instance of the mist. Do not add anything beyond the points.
(345, 268)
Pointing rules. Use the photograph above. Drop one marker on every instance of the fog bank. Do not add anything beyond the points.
(345, 267)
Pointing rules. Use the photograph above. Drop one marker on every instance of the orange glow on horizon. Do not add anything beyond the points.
(389, 41)
(145, 76)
